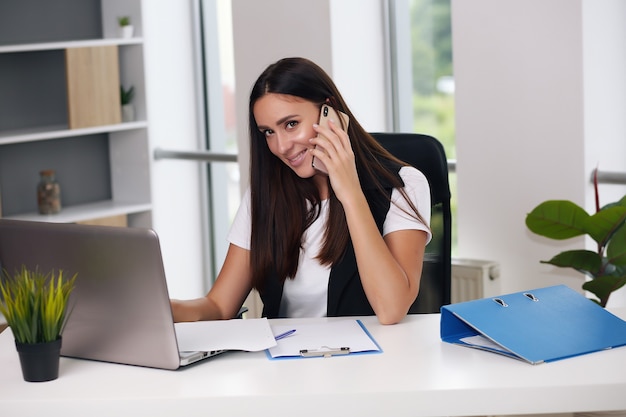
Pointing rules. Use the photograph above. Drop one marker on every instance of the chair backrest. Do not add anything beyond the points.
(427, 154)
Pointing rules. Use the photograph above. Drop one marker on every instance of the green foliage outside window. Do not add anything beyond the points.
(433, 110)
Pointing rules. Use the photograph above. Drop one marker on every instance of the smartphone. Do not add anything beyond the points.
(327, 113)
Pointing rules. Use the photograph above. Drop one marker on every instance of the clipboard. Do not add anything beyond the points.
(323, 340)
(536, 326)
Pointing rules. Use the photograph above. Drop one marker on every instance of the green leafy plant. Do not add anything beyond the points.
(606, 267)
(123, 21)
(127, 95)
(34, 304)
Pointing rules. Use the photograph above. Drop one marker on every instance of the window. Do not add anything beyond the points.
(427, 38)
(217, 69)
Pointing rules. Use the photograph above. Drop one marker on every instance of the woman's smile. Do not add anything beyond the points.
(297, 159)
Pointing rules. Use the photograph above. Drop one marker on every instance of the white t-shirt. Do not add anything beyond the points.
(306, 294)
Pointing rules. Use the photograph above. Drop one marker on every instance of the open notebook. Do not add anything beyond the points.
(120, 305)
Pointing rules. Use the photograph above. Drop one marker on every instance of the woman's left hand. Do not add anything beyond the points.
(333, 148)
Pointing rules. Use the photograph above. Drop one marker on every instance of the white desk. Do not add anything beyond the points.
(417, 375)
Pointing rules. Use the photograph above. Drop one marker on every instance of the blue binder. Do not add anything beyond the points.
(541, 325)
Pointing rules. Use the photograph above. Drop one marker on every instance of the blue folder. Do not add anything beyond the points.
(541, 325)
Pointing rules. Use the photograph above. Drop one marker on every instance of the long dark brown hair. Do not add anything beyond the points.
(283, 205)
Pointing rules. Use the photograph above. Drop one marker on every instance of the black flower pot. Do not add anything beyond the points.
(39, 361)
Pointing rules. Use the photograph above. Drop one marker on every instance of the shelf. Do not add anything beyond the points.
(62, 131)
(48, 46)
(60, 85)
(85, 212)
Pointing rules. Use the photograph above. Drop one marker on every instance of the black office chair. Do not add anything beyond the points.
(427, 154)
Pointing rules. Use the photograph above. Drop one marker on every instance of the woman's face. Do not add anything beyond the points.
(287, 124)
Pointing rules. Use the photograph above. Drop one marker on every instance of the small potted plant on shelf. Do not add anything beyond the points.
(125, 27)
(606, 266)
(34, 306)
(128, 111)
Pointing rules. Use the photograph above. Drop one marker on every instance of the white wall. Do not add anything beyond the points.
(539, 87)
(604, 67)
(359, 61)
(171, 89)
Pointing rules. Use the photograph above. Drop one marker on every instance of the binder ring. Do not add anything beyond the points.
(501, 302)
(530, 296)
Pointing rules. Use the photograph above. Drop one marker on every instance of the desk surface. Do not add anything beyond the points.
(417, 375)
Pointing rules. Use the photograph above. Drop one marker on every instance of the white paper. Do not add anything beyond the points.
(483, 342)
(322, 336)
(237, 334)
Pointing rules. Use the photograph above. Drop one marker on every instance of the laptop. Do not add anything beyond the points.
(120, 306)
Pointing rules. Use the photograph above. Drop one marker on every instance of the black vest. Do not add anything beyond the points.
(346, 296)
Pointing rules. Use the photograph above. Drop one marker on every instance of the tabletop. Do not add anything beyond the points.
(416, 375)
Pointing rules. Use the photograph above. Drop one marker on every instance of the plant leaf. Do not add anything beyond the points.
(602, 225)
(557, 219)
(621, 202)
(34, 304)
(616, 250)
(603, 286)
(582, 260)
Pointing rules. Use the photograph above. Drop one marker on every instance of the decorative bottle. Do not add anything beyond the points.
(48, 193)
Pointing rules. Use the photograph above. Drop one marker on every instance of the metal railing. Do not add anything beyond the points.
(204, 156)
(208, 156)
(604, 177)
(608, 177)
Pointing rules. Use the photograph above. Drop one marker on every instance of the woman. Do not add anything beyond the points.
(350, 242)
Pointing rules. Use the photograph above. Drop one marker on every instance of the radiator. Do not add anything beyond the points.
(473, 279)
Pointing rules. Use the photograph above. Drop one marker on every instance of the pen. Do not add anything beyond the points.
(287, 333)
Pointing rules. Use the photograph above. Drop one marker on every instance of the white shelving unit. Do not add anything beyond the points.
(61, 131)
(86, 212)
(104, 170)
(47, 46)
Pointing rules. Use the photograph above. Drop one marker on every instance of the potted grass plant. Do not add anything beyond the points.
(126, 29)
(605, 267)
(35, 306)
